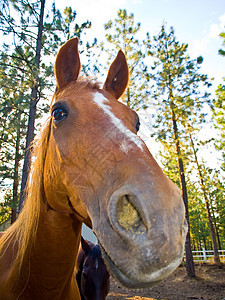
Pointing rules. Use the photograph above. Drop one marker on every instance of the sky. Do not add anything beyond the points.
(196, 22)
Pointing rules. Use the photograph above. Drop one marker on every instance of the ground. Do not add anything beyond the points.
(209, 285)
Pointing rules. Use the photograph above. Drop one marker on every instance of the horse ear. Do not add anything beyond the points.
(67, 64)
(117, 78)
(85, 245)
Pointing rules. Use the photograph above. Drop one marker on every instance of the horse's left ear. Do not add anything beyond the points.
(67, 64)
(85, 245)
(117, 78)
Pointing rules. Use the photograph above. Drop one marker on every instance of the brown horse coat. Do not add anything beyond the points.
(90, 166)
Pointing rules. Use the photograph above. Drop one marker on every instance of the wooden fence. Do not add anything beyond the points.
(207, 255)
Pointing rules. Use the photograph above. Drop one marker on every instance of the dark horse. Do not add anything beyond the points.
(92, 274)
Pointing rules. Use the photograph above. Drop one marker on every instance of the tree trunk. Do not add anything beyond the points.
(204, 242)
(211, 226)
(16, 175)
(218, 238)
(216, 229)
(189, 257)
(32, 111)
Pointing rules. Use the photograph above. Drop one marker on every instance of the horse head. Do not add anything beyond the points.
(99, 168)
(92, 276)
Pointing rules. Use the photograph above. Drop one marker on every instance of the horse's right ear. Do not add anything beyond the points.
(67, 64)
(85, 245)
(117, 78)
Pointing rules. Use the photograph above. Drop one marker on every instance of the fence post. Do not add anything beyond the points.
(204, 254)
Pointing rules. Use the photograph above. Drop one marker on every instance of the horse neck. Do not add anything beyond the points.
(47, 268)
(54, 254)
(38, 252)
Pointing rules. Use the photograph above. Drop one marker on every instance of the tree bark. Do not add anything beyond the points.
(216, 229)
(32, 111)
(211, 226)
(189, 257)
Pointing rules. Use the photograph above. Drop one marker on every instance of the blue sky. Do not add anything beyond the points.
(197, 23)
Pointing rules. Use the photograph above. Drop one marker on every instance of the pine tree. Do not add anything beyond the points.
(178, 101)
(199, 222)
(206, 198)
(216, 186)
(24, 55)
(199, 230)
(13, 118)
(33, 104)
(123, 34)
(221, 51)
(217, 190)
(218, 109)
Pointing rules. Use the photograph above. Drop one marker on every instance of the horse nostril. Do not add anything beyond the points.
(128, 216)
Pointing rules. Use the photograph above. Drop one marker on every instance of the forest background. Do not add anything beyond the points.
(176, 63)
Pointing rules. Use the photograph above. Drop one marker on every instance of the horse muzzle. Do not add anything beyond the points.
(150, 236)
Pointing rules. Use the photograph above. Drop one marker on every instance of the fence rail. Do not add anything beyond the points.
(207, 255)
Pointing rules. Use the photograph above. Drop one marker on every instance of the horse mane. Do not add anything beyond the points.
(22, 232)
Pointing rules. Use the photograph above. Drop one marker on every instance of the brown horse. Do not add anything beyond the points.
(92, 275)
(90, 166)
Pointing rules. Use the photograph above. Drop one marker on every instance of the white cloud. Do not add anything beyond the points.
(204, 45)
(98, 11)
(200, 46)
(222, 20)
(216, 29)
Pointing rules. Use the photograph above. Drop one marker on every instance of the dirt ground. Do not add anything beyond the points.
(209, 285)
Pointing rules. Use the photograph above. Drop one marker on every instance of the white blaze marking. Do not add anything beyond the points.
(100, 100)
(96, 264)
(125, 147)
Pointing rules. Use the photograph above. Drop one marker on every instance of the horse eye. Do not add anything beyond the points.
(59, 114)
(138, 124)
(84, 275)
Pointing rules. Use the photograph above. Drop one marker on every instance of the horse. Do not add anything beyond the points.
(90, 166)
(91, 273)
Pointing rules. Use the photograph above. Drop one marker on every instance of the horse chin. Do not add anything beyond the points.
(146, 281)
